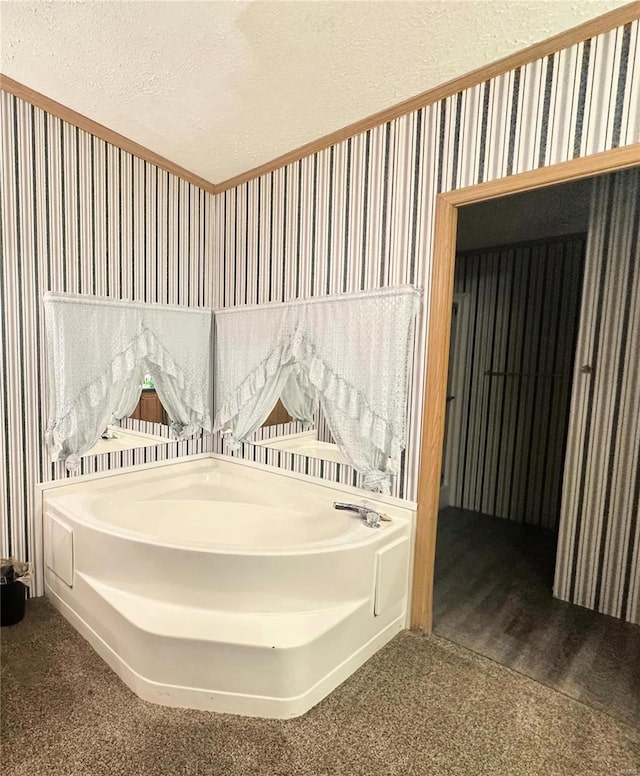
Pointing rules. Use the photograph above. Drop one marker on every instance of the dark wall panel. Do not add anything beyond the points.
(599, 542)
(522, 322)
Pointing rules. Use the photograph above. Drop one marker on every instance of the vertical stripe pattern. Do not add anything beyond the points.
(522, 311)
(83, 216)
(600, 527)
(365, 207)
(80, 215)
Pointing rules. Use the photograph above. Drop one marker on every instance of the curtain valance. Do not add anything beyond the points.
(98, 351)
(349, 353)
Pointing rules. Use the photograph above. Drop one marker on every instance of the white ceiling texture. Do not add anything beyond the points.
(220, 86)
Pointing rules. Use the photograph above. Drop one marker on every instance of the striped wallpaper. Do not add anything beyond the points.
(323, 432)
(599, 542)
(523, 303)
(79, 215)
(360, 214)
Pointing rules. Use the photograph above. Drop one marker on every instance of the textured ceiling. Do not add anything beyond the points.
(221, 87)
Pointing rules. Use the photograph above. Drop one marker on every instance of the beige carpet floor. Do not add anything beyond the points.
(420, 706)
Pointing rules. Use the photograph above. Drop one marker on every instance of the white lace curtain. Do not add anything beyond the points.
(349, 353)
(98, 353)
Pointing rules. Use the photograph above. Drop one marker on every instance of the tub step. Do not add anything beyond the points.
(256, 629)
(224, 661)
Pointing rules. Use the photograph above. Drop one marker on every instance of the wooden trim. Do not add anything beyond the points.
(584, 167)
(439, 331)
(104, 133)
(608, 21)
(277, 415)
(439, 326)
(604, 23)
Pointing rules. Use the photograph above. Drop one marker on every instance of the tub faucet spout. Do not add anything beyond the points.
(369, 516)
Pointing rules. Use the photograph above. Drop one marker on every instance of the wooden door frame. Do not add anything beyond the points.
(438, 331)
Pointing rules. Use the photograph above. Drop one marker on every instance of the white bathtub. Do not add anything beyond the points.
(222, 585)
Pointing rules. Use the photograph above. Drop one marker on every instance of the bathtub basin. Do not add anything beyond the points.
(227, 586)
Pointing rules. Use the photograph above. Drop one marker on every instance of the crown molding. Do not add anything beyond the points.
(98, 130)
(604, 23)
(617, 18)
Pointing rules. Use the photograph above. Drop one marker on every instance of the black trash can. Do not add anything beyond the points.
(13, 597)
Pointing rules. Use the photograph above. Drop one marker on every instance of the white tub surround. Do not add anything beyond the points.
(124, 439)
(305, 443)
(221, 585)
(349, 353)
(98, 351)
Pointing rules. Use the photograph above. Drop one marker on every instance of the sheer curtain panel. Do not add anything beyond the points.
(98, 351)
(351, 354)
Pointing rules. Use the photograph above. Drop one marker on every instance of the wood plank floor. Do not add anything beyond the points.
(493, 585)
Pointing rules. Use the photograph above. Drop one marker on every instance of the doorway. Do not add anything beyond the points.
(517, 291)
(519, 268)
(434, 420)
(439, 323)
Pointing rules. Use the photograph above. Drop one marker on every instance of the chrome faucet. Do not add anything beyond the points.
(369, 516)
